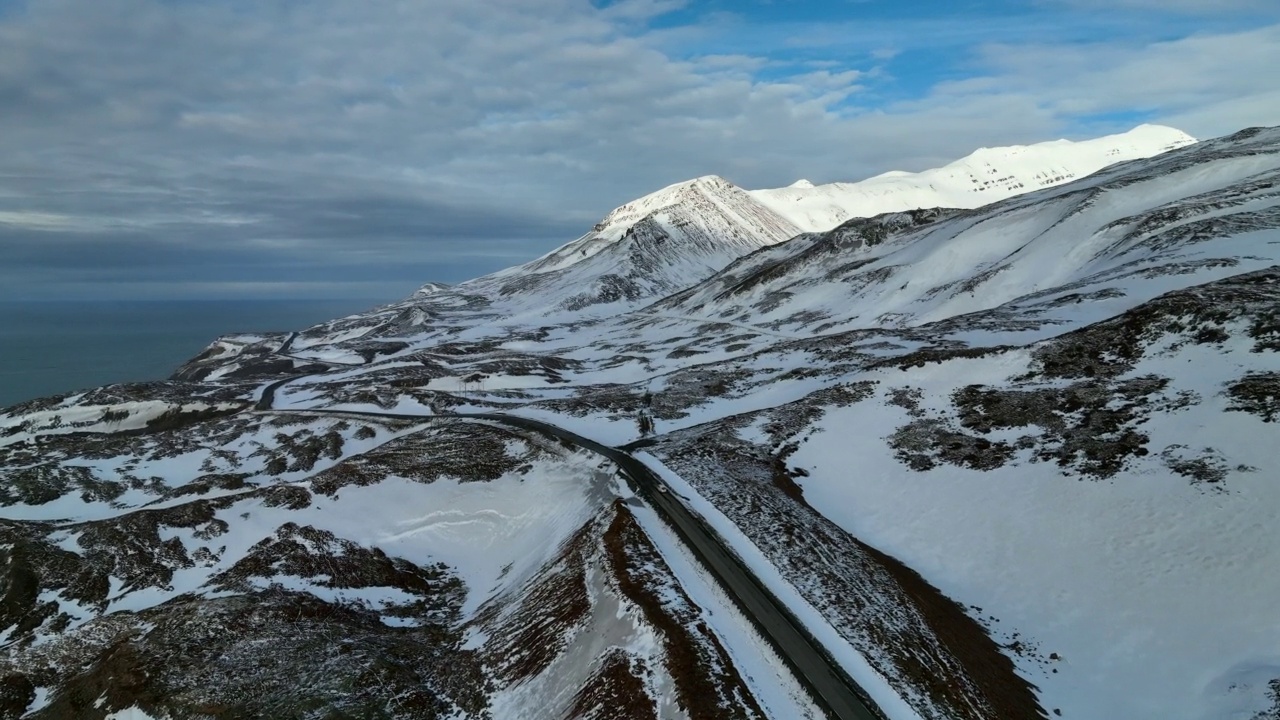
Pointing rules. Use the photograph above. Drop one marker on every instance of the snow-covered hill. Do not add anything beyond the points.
(988, 175)
(1118, 234)
(1006, 462)
(225, 563)
(681, 234)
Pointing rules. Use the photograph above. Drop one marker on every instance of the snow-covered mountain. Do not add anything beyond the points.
(1006, 462)
(1121, 228)
(988, 175)
(649, 247)
(681, 234)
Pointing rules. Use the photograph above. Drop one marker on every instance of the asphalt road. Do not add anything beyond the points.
(268, 399)
(831, 688)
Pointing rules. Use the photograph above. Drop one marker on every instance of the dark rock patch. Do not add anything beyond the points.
(471, 452)
(708, 686)
(329, 561)
(927, 443)
(1087, 426)
(1258, 394)
(1198, 314)
(616, 691)
(274, 653)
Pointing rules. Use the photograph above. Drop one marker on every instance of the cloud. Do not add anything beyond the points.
(151, 146)
(1208, 85)
(38, 220)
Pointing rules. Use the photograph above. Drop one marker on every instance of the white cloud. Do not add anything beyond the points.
(1213, 84)
(392, 128)
(38, 220)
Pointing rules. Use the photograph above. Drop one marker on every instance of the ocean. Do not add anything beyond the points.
(48, 348)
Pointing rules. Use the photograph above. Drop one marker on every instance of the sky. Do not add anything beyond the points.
(165, 149)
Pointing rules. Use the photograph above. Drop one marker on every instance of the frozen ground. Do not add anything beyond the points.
(1005, 462)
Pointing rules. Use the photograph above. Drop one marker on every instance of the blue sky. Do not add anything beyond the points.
(282, 148)
(910, 47)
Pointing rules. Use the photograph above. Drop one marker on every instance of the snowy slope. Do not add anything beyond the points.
(1119, 530)
(299, 566)
(1119, 232)
(987, 175)
(1004, 462)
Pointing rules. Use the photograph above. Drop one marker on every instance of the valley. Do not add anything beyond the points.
(899, 449)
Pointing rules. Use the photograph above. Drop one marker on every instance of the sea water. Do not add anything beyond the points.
(48, 348)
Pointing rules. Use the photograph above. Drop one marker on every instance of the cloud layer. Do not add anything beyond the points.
(157, 148)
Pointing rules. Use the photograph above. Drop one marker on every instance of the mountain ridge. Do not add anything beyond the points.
(681, 234)
(984, 176)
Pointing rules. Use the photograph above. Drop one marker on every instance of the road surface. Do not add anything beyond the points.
(831, 688)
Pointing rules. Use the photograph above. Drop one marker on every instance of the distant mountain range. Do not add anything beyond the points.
(681, 234)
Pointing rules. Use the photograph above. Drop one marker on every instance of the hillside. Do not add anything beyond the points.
(1009, 461)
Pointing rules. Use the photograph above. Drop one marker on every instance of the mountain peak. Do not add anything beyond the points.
(709, 181)
(626, 215)
(1150, 130)
(431, 288)
(650, 246)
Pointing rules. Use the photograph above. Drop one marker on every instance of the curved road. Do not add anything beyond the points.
(832, 689)
(830, 686)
